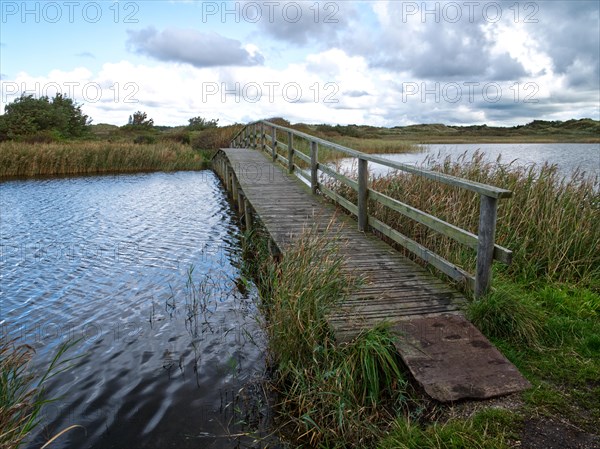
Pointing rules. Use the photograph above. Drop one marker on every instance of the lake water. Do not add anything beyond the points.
(567, 156)
(145, 271)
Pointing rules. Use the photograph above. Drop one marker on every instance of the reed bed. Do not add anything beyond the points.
(19, 159)
(550, 223)
(377, 146)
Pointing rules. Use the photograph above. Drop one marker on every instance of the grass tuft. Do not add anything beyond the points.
(501, 315)
(485, 430)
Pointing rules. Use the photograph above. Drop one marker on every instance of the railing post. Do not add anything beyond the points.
(248, 214)
(274, 143)
(363, 180)
(234, 189)
(488, 211)
(262, 136)
(290, 152)
(240, 200)
(314, 164)
(227, 179)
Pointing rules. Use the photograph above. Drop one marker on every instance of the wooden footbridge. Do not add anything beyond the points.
(282, 184)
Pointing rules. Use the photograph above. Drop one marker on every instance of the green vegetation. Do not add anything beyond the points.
(22, 392)
(582, 130)
(484, 430)
(41, 119)
(332, 394)
(140, 119)
(200, 123)
(559, 245)
(352, 394)
(41, 137)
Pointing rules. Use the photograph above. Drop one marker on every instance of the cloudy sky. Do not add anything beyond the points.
(384, 63)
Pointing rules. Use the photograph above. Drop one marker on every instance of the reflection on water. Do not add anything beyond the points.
(567, 156)
(144, 270)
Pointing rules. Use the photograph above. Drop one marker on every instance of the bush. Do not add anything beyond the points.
(178, 136)
(213, 138)
(502, 315)
(144, 139)
(27, 116)
(199, 124)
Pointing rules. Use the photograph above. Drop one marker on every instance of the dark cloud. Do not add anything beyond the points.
(302, 23)
(426, 47)
(569, 32)
(504, 68)
(436, 46)
(191, 47)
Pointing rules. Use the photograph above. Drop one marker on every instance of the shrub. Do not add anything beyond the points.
(29, 116)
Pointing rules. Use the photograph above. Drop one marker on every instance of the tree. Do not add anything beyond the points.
(28, 116)
(199, 123)
(141, 119)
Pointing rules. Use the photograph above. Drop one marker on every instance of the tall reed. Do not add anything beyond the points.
(550, 223)
(91, 157)
(22, 394)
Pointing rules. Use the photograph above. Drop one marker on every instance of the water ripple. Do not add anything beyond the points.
(107, 260)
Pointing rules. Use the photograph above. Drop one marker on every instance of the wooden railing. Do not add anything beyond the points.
(263, 135)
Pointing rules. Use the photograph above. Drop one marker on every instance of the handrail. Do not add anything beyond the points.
(254, 135)
(436, 176)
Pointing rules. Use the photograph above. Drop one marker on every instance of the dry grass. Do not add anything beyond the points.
(89, 157)
(376, 145)
(551, 223)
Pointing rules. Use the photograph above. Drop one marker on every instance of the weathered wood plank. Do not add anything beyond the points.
(460, 235)
(453, 360)
(427, 255)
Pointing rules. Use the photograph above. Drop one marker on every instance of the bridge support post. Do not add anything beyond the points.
(234, 190)
(240, 201)
(290, 152)
(248, 214)
(488, 212)
(363, 181)
(226, 178)
(274, 142)
(314, 165)
(262, 136)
